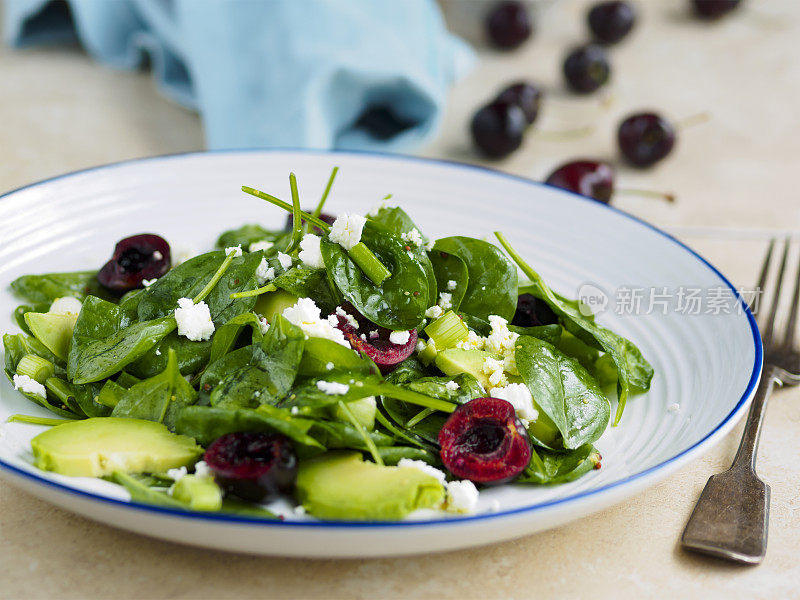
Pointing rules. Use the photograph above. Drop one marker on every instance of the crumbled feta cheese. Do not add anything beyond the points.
(424, 467)
(66, 305)
(351, 320)
(451, 386)
(26, 384)
(494, 369)
(446, 300)
(148, 282)
(263, 325)
(201, 469)
(434, 312)
(373, 334)
(194, 320)
(333, 388)
(429, 245)
(363, 336)
(473, 342)
(260, 245)
(306, 315)
(346, 230)
(299, 510)
(501, 340)
(462, 496)
(295, 410)
(399, 337)
(177, 474)
(673, 408)
(264, 272)
(158, 352)
(413, 237)
(421, 345)
(285, 260)
(451, 285)
(519, 396)
(329, 366)
(157, 255)
(235, 250)
(310, 252)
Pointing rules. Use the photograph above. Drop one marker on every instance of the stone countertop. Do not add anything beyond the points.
(62, 112)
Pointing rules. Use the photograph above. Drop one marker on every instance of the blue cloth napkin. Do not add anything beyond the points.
(355, 74)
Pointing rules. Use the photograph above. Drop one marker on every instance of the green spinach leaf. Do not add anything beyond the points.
(46, 288)
(449, 267)
(548, 467)
(247, 234)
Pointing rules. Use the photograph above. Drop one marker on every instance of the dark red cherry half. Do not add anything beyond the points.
(590, 178)
(139, 257)
(485, 442)
(533, 312)
(253, 466)
(373, 340)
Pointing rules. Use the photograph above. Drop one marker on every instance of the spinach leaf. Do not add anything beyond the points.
(207, 423)
(225, 336)
(548, 467)
(18, 345)
(399, 303)
(189, 278)
(141, 492)
(409, 370)
(46, 288)
(82, 397)
(104, 341)
(192, 356)
(247, 234)
(396, 220)
(579, 350)
(22, 310)
(564, 390)
(392, 455)
(337, 434)
(319, 353)
(159, 398)
(449, 267)
(492, 285)
(309, 283)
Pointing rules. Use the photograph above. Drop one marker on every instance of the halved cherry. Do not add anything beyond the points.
(136, 258)
(485, 442)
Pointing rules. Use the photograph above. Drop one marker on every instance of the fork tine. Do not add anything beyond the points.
(791, 324)
(769, 325)
(762, 279)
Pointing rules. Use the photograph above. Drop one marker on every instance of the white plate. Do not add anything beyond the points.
(707, 363)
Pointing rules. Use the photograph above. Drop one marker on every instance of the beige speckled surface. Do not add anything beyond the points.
(61, 112)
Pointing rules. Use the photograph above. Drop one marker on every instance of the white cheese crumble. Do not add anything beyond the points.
(264, 272)
(295, 410)
(399, 337)
(451, 285)
(473, 342)
(263, 325)
(329, 366)
(462, 496)
(519, 396)
(285, 260)
(434, 312)
(66, 306)
(495, 370)
(260, 245)
(673, 408)
(26, 384)
(333, 388)
(177, 474)
(346, 230)
(235, 250)
(351, 320)
(421, 345)
(424, 467)
(413, 237)
(306, 315)
(194, 320)
(451, 386)
(201, 469)
(446, 300)
(310, 252)
(148, 282)
(299, 510)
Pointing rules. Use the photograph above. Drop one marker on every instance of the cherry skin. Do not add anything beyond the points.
(497, 128)
(611, 21)
(533, 312)
(590, 178)
(136, 258)
(508, 25)
(714, 9)
(645, 138)
(525, 95)
(586, 68)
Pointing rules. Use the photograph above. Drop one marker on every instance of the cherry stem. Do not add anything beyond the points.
(646, 193)
(693, 120)
(564, 134)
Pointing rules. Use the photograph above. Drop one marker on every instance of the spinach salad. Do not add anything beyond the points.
(348, 368)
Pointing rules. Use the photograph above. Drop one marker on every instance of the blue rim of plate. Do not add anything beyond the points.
(751, 386)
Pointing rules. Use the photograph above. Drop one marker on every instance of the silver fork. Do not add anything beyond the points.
(731, 518)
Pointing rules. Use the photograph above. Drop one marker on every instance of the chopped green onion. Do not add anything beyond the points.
(362, 431)
(297, 222)
(419, 417)
(38, 420)
(215, 279)
(369, 263)
(36, 367)
(447, 330)
(257, 292)
(59, 388)
(287, 207)
(428, 354)
(318, 210)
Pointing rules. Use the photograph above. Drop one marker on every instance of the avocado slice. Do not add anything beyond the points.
(363, 410)
(273, 303)
(54, 330)
(341, 485)
(455, 361)
(200, 493)
(97, 447)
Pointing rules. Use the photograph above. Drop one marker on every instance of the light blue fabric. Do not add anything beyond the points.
(355, 74)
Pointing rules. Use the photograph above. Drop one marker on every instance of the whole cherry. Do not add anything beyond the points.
(498, 128)
(714, 9)
(525, 95)
(645, 138)
(611, 21)
(508, 25)
(586, 68)
(594, 179)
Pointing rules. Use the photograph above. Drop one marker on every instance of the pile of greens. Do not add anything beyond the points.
(126, 359)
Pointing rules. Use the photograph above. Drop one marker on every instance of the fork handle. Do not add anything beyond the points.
(748, 447)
